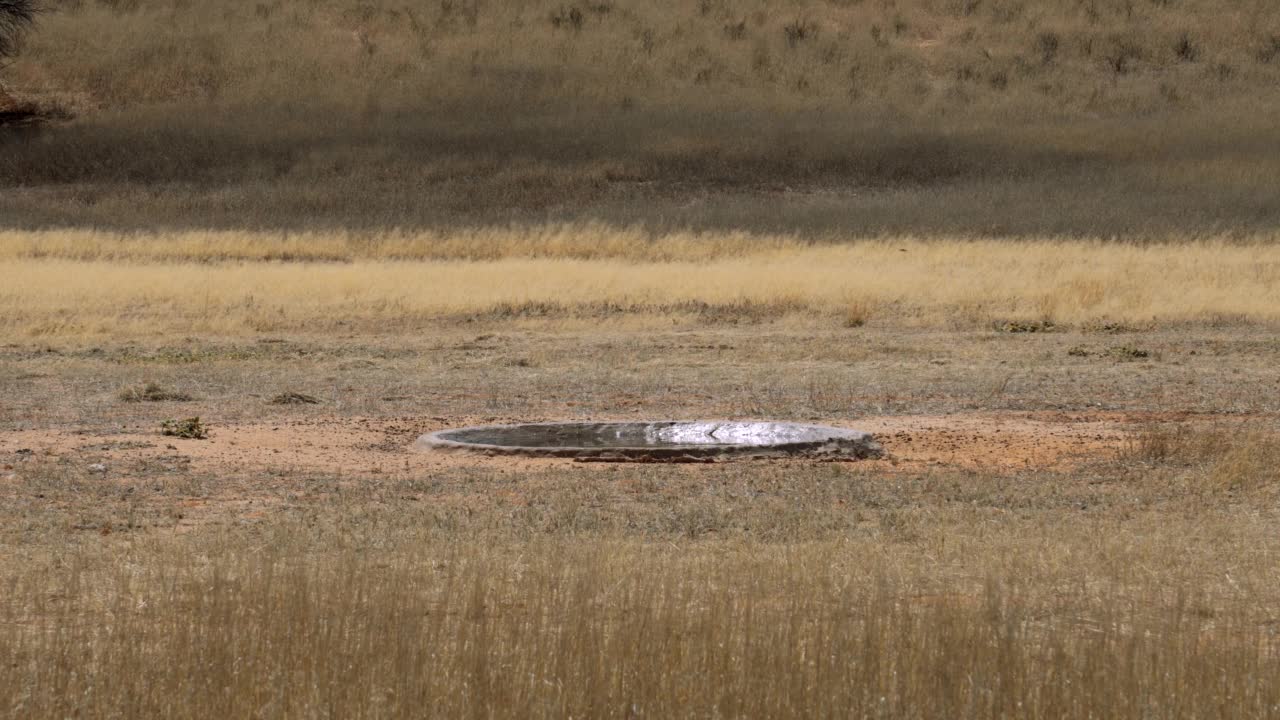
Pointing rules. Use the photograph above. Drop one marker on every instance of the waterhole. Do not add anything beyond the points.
(656, 441)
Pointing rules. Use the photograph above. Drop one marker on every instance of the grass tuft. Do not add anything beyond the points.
(1128, 352)
(857, 312)
(152, 392)
(1230, 458)
(1186, 48)
(1250, 463)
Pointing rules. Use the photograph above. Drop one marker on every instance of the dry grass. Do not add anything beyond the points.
(812, 173)
(749, 590)
(561, 241)
(465, 210)
(1249, 464)
(967, 284)
(1217, 460)
(915, 55)
(607, 629)
(907, 117)
(145, 582)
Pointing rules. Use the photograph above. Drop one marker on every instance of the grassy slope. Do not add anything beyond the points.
(938, 55)
(993, 118)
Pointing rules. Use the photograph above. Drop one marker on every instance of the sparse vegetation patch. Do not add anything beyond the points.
(1128, 352)
(1026, 326)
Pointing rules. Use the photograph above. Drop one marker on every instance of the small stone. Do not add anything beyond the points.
(97, 467)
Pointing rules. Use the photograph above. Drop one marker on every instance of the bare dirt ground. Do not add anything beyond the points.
(361, 449)
(370, 446)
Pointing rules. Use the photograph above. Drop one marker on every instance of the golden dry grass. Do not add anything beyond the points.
(1131, 588)
(560, 241)
(609, 629)
(135, 285)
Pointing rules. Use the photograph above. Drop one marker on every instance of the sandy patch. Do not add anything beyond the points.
(375, 446)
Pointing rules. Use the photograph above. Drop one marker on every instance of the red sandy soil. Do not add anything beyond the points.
(259, 467)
